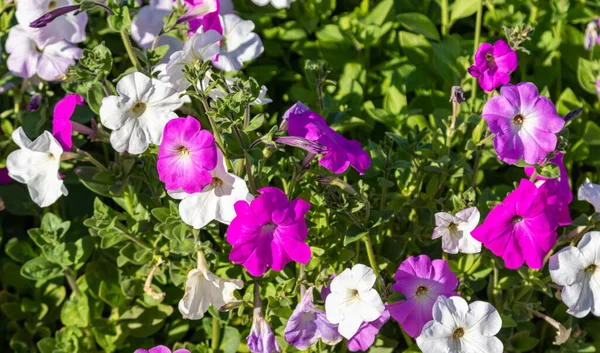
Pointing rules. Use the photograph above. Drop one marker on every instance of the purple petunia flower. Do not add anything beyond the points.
(261, 339)
(493, 65)
(269, 231)
(522, 229)
(421, 281)
(557, 191)
(62, 127)
(4, 178)
(341, 153)
(365, 337)
(160, 349)
(307, 324)
(525, 124)
(186, 156)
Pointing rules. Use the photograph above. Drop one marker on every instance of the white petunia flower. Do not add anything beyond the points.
(353, 300)
(239, 44)
(36, 164)
(590, 192)
(577, 269)
(203, 289)
(459, 327)
(139, 113)
(278, 4)
(68, 27)
(216, 200)
(27, 58)
(456, 231)
(199, 47)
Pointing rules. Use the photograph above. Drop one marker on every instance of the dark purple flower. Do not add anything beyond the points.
(365, 337)
(493, 65)
(34, 103)
(4, 178)
(341, 153)
(307, 324)
(52, 15)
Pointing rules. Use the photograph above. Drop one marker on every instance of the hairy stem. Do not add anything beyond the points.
(129, 49)
(445, 27)
(475, 46)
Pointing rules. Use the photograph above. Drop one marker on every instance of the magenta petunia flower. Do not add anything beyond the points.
(522, 229)
(269, 231)
(341, 152)
(4, 178)
(421, 281)
(160, 349)
(203, 13)
(365, 337)
(493, 65)
(186, 156)
(307, 324)
(525, 124)
(62, 127)
(557, 191)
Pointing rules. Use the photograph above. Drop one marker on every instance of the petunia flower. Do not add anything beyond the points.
(307, 324)
(186, 156)
(269, 231)
(577, 269)
(365, 337)
(139, 113)
(34, 103)
(455, 231)
(239, 45)
(148, 22)
(203, 289)
(36, 164)
(261, 338)
(558, 192)
(62, 126)
(216, 200)
(521, 229)
(353, 300)
(69, 27)
(590, 192)
(591, 35)
(493, 65)
(27, 58)
(198, 48)
(203, 13)
(421, 281)
(461, 327)
(160, 349)
(525, 124)
(342, 152)
(278, 4)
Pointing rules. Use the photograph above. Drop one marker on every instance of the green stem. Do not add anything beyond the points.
(475, 46)
(407, 339)
(216, 334)
(129, 49)
(89, 158)
(71, 281)
(371, 254)
(445, 27)
(213, 126)
(248, 162)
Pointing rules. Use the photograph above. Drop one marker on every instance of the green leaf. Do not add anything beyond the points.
(120, 20)
(19, 250)
(549, 170)
(93, 178)
(380, 12)
(353, 234)
(40, 269)
(419, 23)
(462, 9)
(231, 340)
(76, 311)
(587, 72)
(112, 294)
(256, 123)
(94, 97)
(417, 48)
(46, 345)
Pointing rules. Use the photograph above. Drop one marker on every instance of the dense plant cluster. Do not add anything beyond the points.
(299, 175)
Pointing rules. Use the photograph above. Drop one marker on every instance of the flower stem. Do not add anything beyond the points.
(371, 254)
(216, 334)
(89, 158)
(129, 49)
(248, 162)
(445, 28)
(257, 302)
(71, 281)
(475, 46)
(213, 126)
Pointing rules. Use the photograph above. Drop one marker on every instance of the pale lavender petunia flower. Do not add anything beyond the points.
(261, 339)
(524, 123)
(591, 35)
(307, 324)
(341, 152)
(28, 59)
(160, 349)
(421, 281)
(69, 26)
(493, 65)
(365, 337)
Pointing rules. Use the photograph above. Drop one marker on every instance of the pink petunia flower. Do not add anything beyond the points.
(269, 231)
(525, 124)
(522, 229)
(160, 349)
(493, 65)
(62, 126)
(341, 152)
(203, 13)
(557, 191)
(421, 281)
(365, 337)
(186, 156)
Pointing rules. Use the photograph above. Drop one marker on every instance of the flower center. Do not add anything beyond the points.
(489, 57)
(518, 119)
(183, 151)
(453, 227)
(458, 333)
(51, 5)
(139, 108)
(516, 219)
(216, 182)
(353, 293)
(591, 268)
(422, 290)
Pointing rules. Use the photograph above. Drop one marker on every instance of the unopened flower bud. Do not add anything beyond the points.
(52, 15)
(331, 180)
(309, 146)
(591, 35)
(34, 103)
(457, 95)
